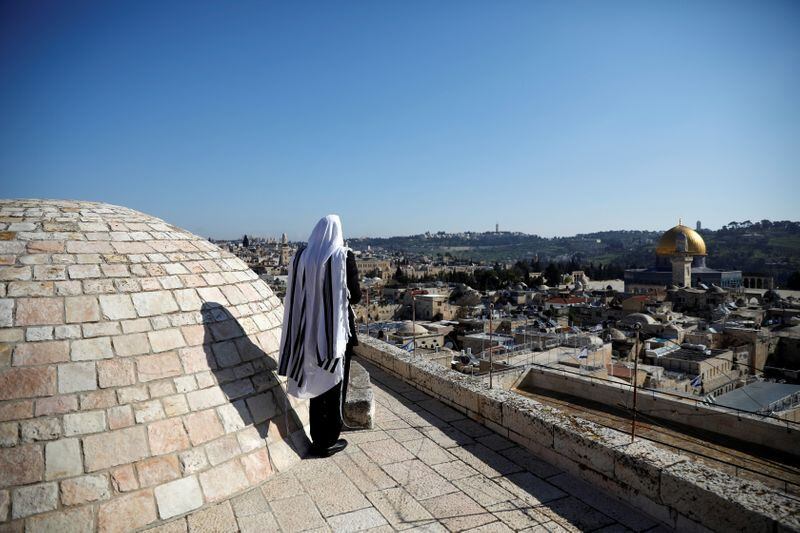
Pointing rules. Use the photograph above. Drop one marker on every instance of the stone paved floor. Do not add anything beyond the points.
(425, 467)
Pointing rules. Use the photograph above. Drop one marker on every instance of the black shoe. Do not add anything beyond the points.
(340, 445)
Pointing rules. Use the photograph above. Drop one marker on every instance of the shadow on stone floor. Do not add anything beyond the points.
(541, 491)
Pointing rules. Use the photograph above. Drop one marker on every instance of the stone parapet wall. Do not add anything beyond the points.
(137, 374)
(669, 487)
(765, 432)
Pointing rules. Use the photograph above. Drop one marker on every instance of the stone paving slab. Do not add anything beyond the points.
(414, 471)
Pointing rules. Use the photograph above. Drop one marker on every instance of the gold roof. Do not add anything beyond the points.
(668, 243)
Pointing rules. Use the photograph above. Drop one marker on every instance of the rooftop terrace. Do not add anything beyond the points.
(424, 467)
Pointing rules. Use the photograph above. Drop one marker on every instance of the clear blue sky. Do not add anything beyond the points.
(547, 117)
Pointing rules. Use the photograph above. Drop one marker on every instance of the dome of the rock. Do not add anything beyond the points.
(137, 374)
(670, 242)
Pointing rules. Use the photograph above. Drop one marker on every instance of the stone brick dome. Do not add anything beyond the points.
(137, 374)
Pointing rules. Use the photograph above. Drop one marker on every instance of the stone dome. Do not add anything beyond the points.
(137, 374)
(668, 244)
(410, 328)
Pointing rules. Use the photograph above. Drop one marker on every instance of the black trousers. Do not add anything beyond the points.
(325, 411)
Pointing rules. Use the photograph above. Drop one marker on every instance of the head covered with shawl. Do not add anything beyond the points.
(315, 319)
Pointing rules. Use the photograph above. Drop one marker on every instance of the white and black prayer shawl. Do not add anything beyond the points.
(315, 317)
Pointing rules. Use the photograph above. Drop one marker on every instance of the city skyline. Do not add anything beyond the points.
(553, 119)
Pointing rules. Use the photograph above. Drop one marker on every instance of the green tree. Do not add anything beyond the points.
(552, 274)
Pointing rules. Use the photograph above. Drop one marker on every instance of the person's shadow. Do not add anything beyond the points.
(246, 374)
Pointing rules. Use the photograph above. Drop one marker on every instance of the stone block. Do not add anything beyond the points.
(75, 377)
(134, 393)
(175, 405)
(203, 426)
(223, 481)
(39, 333)
(30, 288)
(178, 497)
(98, 399)
(160, 389)
(100, 329)
(148, 412)
(220, 450)
(68, 332)
(158, 470)
(41, 353)
(85, 422)
(213, 518)
(152, 367)
(167, 436)
(39, 311)
(257, 467)
(234, 416)
(9, 434)
(16, 410)
(81, 309)
(27, 382)
(193, 460)
(359, 407)
(124, 479)
(589, 444)
(205, 398)
(114, 448)
(5, 504)
(226, 354)
(116, 373)
(79, 520)
(20, 273)
(117, 306)
(166, 339)
(33, 499)
(40, 429)
(85, 489)
(21, 465)
(120, 416)
(83, 271)
(56, 405)
(188, 300)
(6, 312)
(63, 459)
(91, 349)
(131, 344)
(724, 503)
(154, 303)
(262, 406)
(127, 512)
(195, 359)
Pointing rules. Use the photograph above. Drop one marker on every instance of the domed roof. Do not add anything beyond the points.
(138, 366)
(668, 244)
(410, 328)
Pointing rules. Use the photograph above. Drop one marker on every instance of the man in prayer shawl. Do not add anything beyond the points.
(319, 330)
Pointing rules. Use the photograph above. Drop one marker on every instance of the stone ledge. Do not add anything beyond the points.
(681, 494)
(359, 405)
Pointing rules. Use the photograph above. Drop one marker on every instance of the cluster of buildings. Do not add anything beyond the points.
(680, 327)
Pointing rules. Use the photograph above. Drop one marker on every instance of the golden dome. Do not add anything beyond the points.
(668, 243)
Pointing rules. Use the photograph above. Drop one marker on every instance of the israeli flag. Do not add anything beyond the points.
(410, 346)
(584, 354)
(697, 381)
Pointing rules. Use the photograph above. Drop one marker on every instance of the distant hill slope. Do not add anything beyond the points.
(765, 246)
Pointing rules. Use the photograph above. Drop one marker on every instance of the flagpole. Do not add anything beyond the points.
(491, 352)
(637, 327)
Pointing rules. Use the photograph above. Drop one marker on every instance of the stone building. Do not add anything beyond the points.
(137, 374)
